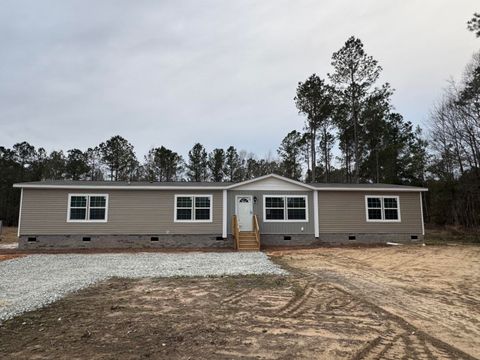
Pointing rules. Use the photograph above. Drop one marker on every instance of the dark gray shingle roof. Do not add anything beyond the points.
(188, 184)
(125, 183)
(362, 186)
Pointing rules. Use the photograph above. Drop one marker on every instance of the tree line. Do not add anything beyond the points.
(351, 134)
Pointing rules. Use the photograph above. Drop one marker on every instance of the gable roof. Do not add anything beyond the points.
(144, 185)
(271, 176)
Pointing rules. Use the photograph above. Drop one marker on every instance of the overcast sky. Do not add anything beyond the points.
(172, 73)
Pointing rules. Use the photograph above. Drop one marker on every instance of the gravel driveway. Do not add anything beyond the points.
(31, 282)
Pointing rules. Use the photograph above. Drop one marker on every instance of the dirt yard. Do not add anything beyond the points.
(388, 303)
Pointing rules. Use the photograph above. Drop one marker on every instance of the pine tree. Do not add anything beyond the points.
(354, 74)
(118, 155)
(233, 165)
(162, 164)
(197, 163)
(474, 24)
(314, 99)
(76, 166)
(216, 164)
(290, 152)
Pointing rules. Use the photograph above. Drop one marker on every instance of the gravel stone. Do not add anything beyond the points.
(31, 282)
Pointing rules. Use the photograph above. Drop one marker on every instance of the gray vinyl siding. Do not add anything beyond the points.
(130, 212)
(273, 227)
(344, 212)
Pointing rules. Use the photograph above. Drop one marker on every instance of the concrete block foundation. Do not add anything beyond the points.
(205, 241)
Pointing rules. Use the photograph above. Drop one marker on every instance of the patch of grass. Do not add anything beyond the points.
(298, 291)
(439, 236)
(9, 235)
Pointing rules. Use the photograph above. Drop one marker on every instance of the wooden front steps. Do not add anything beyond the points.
(247, 241)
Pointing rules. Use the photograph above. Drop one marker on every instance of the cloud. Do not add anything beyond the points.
(73, 73)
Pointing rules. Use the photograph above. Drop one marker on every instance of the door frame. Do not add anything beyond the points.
(236, 203)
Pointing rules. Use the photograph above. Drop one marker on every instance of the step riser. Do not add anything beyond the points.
(247, 241)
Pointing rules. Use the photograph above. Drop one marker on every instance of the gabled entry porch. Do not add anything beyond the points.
(245, 228)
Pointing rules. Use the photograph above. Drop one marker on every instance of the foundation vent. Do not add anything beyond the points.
(154, 238)
(287, 238)
(86, 238)
(31, 239)
(352, 237)
(414, 237)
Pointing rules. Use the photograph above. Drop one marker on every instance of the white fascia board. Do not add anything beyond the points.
(268, 176)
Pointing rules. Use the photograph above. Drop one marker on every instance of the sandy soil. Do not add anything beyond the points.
(8, 257)
(388, 303)
(435, 289)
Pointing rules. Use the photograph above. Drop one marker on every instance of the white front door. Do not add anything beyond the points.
(245, 213)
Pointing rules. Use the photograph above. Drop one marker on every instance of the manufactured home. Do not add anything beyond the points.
(267, 211)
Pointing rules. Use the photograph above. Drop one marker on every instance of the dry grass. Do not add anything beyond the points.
(451, 234)
(8, 235)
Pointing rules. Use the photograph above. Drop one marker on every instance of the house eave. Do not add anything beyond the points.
(295, 182)
(107, 187)
(366, 189)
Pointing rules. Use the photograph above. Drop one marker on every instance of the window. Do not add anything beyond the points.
(383, 208)
(196, 208)
(285, 208)
(87, 208)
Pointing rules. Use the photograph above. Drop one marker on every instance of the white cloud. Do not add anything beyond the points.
(73, 73)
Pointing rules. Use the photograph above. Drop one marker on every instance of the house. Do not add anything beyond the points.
(269, 210)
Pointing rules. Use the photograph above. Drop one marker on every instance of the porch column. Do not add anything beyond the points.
(315, 214)
(224, 214)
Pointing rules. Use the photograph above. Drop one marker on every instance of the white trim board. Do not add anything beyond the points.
(224, 214)
(20, 213)
(421, 214)
(271, 182)
(316, 218)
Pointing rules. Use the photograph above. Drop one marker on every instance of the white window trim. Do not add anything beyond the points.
(87, 209)
(383, 220)
(193, 208)
(285, 209)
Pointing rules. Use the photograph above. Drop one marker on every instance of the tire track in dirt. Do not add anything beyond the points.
(296, 302)
(415, 341)
(235, 297)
